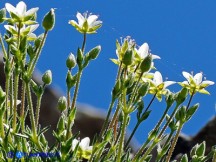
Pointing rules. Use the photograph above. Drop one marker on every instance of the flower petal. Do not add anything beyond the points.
(198, 78)
(187, 75)
(157, 78)
(74, 144)
(80, 18)
(21, 8)
(155, 57)
(143, 50)
(31, 11)
(91, 19)
(10, 8)
(208, 82)
(84, 144)
(168, 83)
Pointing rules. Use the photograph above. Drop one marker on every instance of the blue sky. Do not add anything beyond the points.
(182, 33)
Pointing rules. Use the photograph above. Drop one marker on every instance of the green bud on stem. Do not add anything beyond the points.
(62, 103)
(128, 57)
(145, 65)
(93, 54)
(49, 20)
(47, 77)
(71, 61)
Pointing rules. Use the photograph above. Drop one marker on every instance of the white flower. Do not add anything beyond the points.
(195, 83)
(20, 11)
(158, 86)
(84, 149)
(23, 31)
(143, 51)
(86, 23)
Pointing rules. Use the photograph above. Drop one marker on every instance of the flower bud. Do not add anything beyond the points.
(60, 125)
(79, 58)
(49, 20)
(2, 15)
(93, 54)
(62, 103)
(38, 40)
(2, 95)
(70, 80)
(47, 77)
(145, 65)
(181, 96)
(71, 61)
(128, 57)
(143, 89)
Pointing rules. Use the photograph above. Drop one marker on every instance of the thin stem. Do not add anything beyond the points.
(7, 86)
(84, 42)
(107, 118)
(2, 127)
(148, 151)
(121, 143)
(22, 114)
(38, 52)
(16, 84)
(132, 134)
(3, 47)
(78, 76)
(161, 119)
(76, 89)
(68, 100)
(149, 105)
(167, 123)
(38, 110)
(189, 102)
(141, 150)
(174, 143)
(11, 95)
(135, 90)
(138, 122)
(32, 118)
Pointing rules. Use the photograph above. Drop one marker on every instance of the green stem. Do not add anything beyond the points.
(79, 74)
(114, 116)
(141, 150)
(132, 134)
(32, 118)
(16, 85)
(2, 127)
(167, 123)
(148, 151)
(7, 86)
(138, 122)
(174, 143)
(161, 119)
(39, 97)
(84, 42)
(22, 114)
(11, 95)
(76, 89)
(107, 118)
(121, 143)
(38, 52)
(3, 47)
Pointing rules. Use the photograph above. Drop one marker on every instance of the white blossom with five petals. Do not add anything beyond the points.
(20, 11)
(195, 83)
(86, 23)
(84, 149)
(158, 87)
